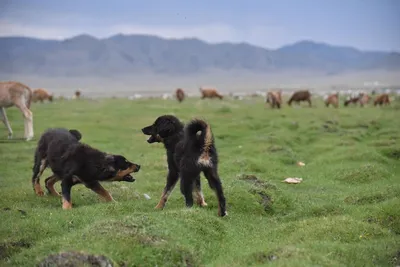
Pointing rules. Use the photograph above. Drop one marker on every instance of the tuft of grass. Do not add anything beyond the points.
(344, 213)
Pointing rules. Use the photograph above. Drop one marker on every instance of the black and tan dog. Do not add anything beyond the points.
(190, 151)
(73, 163)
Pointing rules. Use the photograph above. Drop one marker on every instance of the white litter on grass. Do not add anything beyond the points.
(294, 180)
(146, 196)
(301, 164)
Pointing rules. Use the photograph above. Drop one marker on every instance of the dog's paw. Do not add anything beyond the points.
(203, 204)
(159, 207)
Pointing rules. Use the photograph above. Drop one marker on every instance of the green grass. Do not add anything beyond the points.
(346, 212)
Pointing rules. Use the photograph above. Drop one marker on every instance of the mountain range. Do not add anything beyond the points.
(85, 55)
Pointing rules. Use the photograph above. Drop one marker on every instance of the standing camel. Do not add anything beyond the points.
(19, 95)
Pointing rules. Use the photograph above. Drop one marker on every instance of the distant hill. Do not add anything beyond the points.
(134, 54)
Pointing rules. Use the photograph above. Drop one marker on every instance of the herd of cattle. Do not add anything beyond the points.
(274, 98)
(19, 95)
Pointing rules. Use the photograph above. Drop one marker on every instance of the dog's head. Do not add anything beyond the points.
(164, 127)
(122, 168)
(76, 134)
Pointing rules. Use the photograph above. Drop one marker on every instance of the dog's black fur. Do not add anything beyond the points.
(190, 151)
(73, 162)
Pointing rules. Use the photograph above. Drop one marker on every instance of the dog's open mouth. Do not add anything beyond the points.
(128, 178)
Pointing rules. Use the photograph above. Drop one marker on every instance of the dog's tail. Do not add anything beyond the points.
(76, 133)
(198, 132)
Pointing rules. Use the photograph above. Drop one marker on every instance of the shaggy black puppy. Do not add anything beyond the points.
(73, 162)
(40, 159)
(190, 151)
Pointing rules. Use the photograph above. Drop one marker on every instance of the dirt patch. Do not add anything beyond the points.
(257, 182)
(75, 259)
(392, 153)
(263, 257)
(9, 248)
(266, 200)
(363, 200)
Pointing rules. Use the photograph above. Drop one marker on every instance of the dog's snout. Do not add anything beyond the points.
(137, 167)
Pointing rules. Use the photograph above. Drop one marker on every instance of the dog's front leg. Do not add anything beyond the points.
(96, 187)
(66, 185)
(172, 178)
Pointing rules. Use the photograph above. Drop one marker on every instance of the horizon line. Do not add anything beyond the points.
(197, 38)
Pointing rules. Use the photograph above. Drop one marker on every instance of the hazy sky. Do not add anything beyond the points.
(365, 24)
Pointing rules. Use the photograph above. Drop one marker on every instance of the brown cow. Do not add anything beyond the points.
(303, 95)
(19, 95)
(351, 100)
(274, 98)
(382, 99)
(41, 95)
(77, 94)
(210, 93)
(180, 94)
(333, 100)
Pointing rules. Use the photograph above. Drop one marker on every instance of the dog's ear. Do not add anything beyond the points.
(110, 162)
(166, 129)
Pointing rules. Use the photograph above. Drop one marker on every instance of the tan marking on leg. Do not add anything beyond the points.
(36, 186)
(38, 189)
(50, 185)
(66, 205)
(163, 200)
(103, 193)
(200, 198)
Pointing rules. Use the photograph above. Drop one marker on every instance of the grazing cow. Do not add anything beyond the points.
(180, 95)
(274, 99)
(303, 95)
(41, 95)
(382, 99)
(351, 100)
(364, 99)
(19, 95)
(210, 93)
(333, 100)
(77, 94)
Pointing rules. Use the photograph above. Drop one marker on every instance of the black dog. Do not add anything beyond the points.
(73, 162)
(190, 151)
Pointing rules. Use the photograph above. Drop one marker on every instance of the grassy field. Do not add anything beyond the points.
(346, 212)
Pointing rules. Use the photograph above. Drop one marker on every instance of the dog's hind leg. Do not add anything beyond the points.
(49, 183)
(172, 178)
(198, 193)
(96, 187)
(187, 182)
(38, 168)
(215, 184)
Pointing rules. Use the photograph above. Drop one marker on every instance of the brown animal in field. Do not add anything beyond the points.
(364, 99)
(382, 99)
(77, 94)
(180, 94)
(333, 100)
(274, 98)
(352, 100)
(19, 95)
(210, 93)
(303, 95)
(41, 95)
